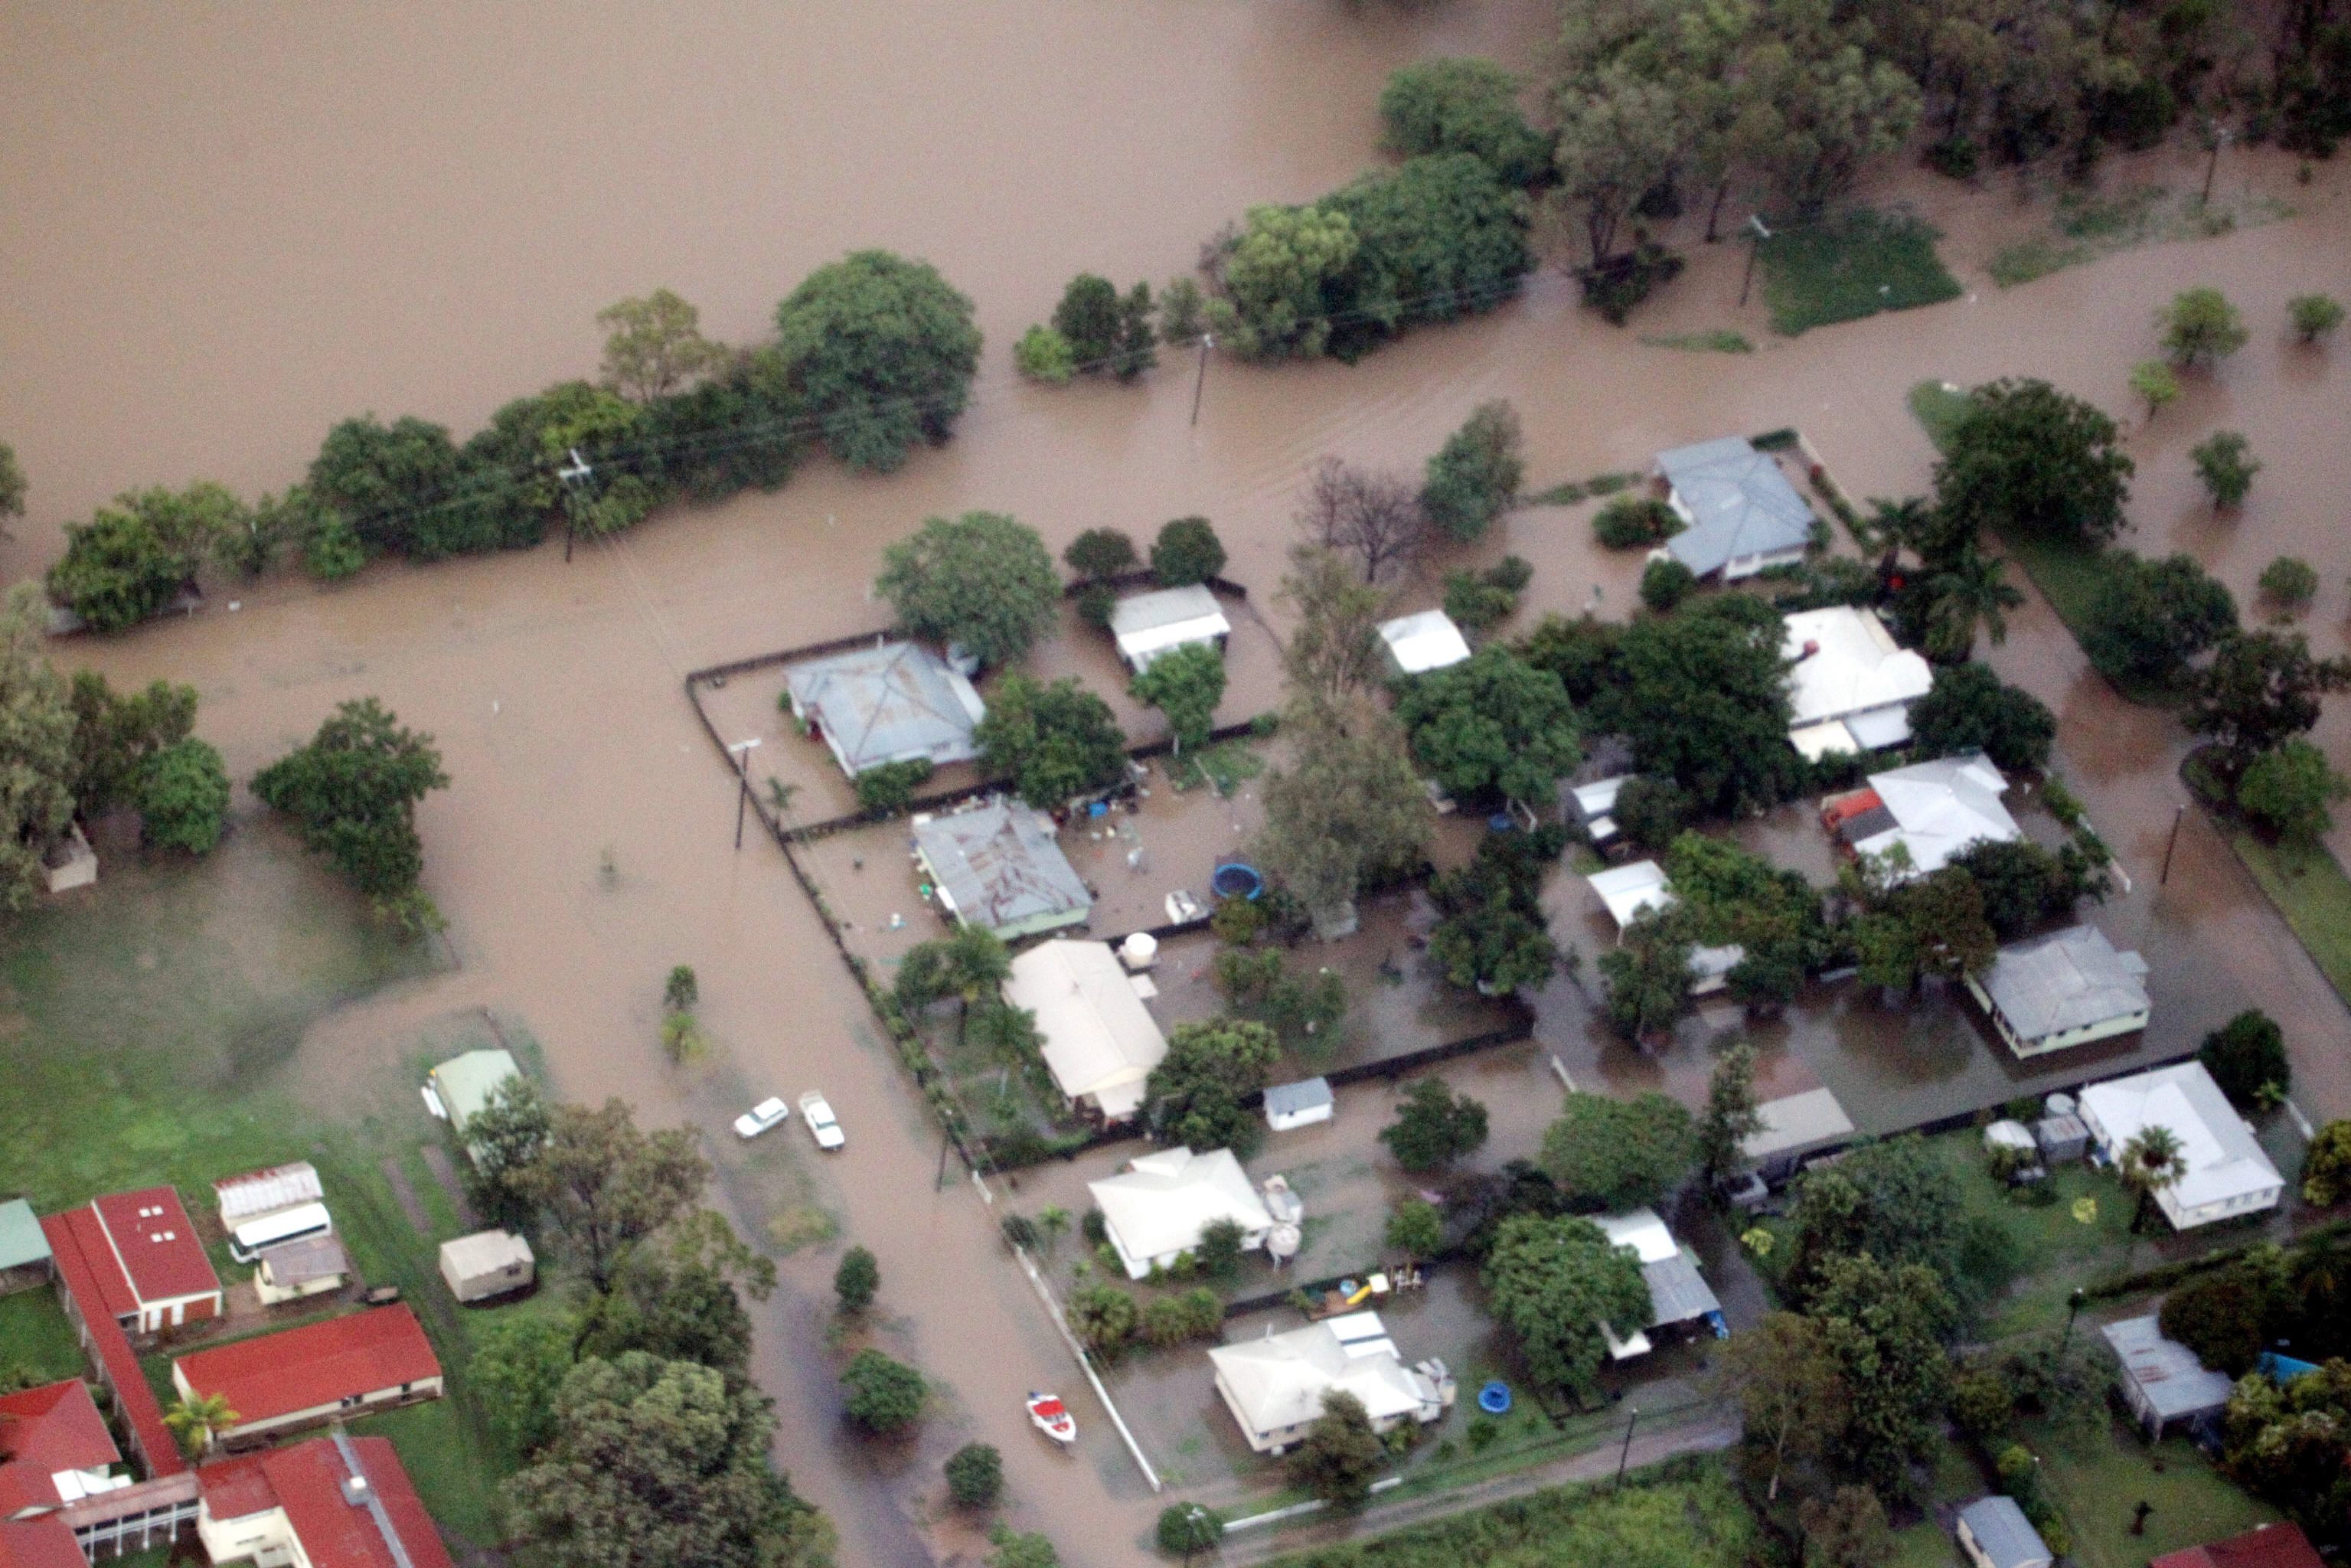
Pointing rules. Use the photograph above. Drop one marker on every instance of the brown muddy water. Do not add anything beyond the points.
(238, 225)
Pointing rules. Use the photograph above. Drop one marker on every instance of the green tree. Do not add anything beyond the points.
(131, 559)
(1463, 104)
(1098, 553)
(655, 1461)
(1186, 551)
(2025, 887)
(1137, 336)
(1619, 1154)
(1183, 312)
(1415, 1229)
(518, 1370)
(1631, 520)
(2261, 690)
(1015, 1549)
(886, 1396)
(2149, 617)
(1648, 975)
(2152, 1163)
(603, 1186)
(1652, 811)
(1434, 1127)
(1346, 808)
(982, 580)
(2289, 792)
(379, 486)
(352, 792)
(1184, 684)
(1910, 928)
(1970, 590)
(1333, 654)
(1476, 604)
(1492, 722)
(1846, 1529)
(881, 350)
(654, 346)
(1552, 1282)
(2027, 457)
(1493, 935)
(183, 793)
(1218, 1253)
(1887, 1326)
(1967, 709)
(2327, 1165)
(1620, 136)
(1893, 1199)
(117, 736)
(679, 1299)
(1103, 1317)
(196, 1419)
(1703, 697)
(1193, 1096)
(975, 1475)
(2246, 1057)
(12, 483)
(857, 1278)
(1054, 742)
(1474, 475)
(1187, 1527)
(681, 991)
(1665, 584)
(503, 1140)
(1438, 238)
(1793, 1398)
(2289, 583)
(2315, 316)
(517, 462)
(2153, 381)
(1087, 318)
(1731, 1115)
(2200, 325)
(1280, 278)
(1044, 355)
(2224, 462)
(1339, 1455)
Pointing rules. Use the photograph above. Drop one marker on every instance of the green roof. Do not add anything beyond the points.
(21, 1241)
(465, 1082)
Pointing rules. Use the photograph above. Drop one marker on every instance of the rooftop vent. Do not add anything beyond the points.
(355, 1490)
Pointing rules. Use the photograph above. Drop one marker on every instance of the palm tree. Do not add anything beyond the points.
(1970, 590)
(2153, 1162)
(975, 966)
(197, 1419)
(1051, 1220)
(1896, 525)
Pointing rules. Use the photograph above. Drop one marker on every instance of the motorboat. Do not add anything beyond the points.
(1052, 1417)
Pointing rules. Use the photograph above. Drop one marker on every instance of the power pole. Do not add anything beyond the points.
(741, 752)
(1755, 226)
(2172, 843)
(2213, 164)
(575, 478)
(1625, 1454)
(1200, 379)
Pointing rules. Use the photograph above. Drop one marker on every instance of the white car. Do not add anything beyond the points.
(762, 1117)
(821, 1124)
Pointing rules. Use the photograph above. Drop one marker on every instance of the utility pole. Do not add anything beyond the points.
(2172, 843)
(741, 752)
(2073, 1311)
(1755, 226)
(1200, 379)
(1634, 1418)
(2213, 164)
(575, 486)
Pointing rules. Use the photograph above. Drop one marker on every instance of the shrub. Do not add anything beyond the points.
(183, 793)
(2225, 462)
(1095, 604)
(1618, 285)
(2313, 316)
(1475, 605)
(1103, 1317)
(1665, 584)
(884, 1396)
(975, 1475)
(2326, 1166)
(1630, 521)
(1198, 1313)
(1186, 1528)
(2290, 583)
(1186, 551)
(2199, 324)
(1044, 355)
(856, 1279)
(1415, 1229)
(888, 790)
(2289, 790)
(1463, 105)
(1476, 475)
(1100, 552)
(1218, 1254)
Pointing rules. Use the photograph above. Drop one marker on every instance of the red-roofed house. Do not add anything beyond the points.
(309, 1375)
(2270, 1546)
(90, 1288)
(143, 1257)
(332, 1503)
(54, 1449)
(43, 1543)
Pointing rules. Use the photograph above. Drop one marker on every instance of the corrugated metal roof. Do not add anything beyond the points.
(256, 1192)
(891, 702)
(2003, 1533)
(2067, 980)
(1001, 867)
(2174, 1382)
(1739, 504)
(21, 1241)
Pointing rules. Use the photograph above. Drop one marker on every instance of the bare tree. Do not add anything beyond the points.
(1334, 651)
(1374, 518)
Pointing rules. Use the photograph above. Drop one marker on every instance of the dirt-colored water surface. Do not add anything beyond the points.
(235, 225)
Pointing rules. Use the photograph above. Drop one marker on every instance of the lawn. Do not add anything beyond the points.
(36, 1340)
(2087, 224)
(2099, 1478)
(1855, 265)
(1939, 406)
(2312, 893)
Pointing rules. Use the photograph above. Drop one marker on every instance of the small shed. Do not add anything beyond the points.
(310, 1267)
(1300, 1104)
(1994, 1533)
(2061, 1138)
(2162, 1381)
(1793, 1126)
(258, 1193)
(25, 1260)
(1150, 625)
(1418, 643)
(485, 1264)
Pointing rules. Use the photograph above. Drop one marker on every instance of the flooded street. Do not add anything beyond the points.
(281, 216)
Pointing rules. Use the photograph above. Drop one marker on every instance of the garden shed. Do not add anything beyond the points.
(485, 1264)
(2162, 1381)
(1994, 1533)
(25, 1260)
(1299, 1104)
(1149, 624)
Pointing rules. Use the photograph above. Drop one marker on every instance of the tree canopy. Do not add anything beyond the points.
(1346, 808)
(982, 580)
(1702, 696)
(1193, 1096)
(1492, 934)
(1619, 1154)
(1969, 709)
(130, 561)
(2149, 619)
(1434, 1127)
(654, 346)
(881, 351)
(1476, 475)
(1186, 551)
(1492, 722)
(1054, 742)
(1553, 1282)
(1463, 104)
(352, 792)
(1184, 684)
(2261, 689)
(38, 761)
(1339, 1455)
(2028, 457)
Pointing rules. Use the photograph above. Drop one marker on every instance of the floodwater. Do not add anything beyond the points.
(238, 224)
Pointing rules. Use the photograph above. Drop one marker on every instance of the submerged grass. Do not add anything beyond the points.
(1852, 265)
(1939, 406)
(2087, 224)
(2310, 889)
(1722, 341)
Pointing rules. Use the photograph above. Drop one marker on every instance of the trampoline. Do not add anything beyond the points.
(1236, 879)
(1494, 1399)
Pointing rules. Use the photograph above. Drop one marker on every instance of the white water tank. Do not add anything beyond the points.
(1139, 951)
(1283, 1242)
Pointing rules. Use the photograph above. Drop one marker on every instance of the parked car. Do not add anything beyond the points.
(821, 1124)
(762, 1116)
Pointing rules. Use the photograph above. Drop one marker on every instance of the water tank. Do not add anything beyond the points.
(1139, 951)
(1283, 1242)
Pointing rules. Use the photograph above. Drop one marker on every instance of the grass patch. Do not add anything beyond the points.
(445, 1455)
(2045, 1249)
(2311, 891)
(36, 1338)
(1577, 491)
(1843, 268)
(1222, 765)
(2036, 257)
(1722, 341)
(2099, 1478)
(1939, 407)
(2087, 224)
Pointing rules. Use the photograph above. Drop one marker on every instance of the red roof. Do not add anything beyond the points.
(86, 1281)
(307, 1481)
(45, 1542)
(45, 1430)
(2270, 1546)
(319, 1364)
(156, 1244)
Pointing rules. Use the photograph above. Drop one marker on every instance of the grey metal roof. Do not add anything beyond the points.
(1000, 866)
(1739, 504)
(2066, 980)
(1288, 1099)
(312, 1257)
(1809, 1120)
(2003, 1533)
(2167, 1372)
(893, 702)
(21, 1237)
(1677, 1291)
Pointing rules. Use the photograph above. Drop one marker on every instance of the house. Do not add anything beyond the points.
(142, 1257)
(1149, 624)
(2226, 1172)
(309, 1375)
(2162, 1381)
(1677, 1295)
(485, 1264)
(332, 1503)
(1627, 890)
(293, 1270)
(1932, 811)
(256, 1195)
(1100, 1042)
(1416, 645)
(1289, 1106)
(997, 866)
(1738, 513)
(55, 1450)
(44, 1541)
(1994, 1533)
(1156, 1208)
(2263, 1546)
(1275, 1387)
(24, 1257)
(2067, 988)
(1851, 686)
(893, 702)
(461, 1087)
(101, 1303)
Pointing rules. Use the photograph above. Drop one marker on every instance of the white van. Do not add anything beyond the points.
(248, 1241)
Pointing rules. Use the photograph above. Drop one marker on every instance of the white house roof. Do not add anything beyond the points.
(2222, 1159)
(1163, 1200)
(2070, 979)
(1100, 1040)
(1940, 808)
(1281, 1380)
(1627, 890)
(1737, 502)
(1677, 1291)
(893, 702)
(1642, 1231)
(1149, 624)
(1428, 640)
(1853, 666)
